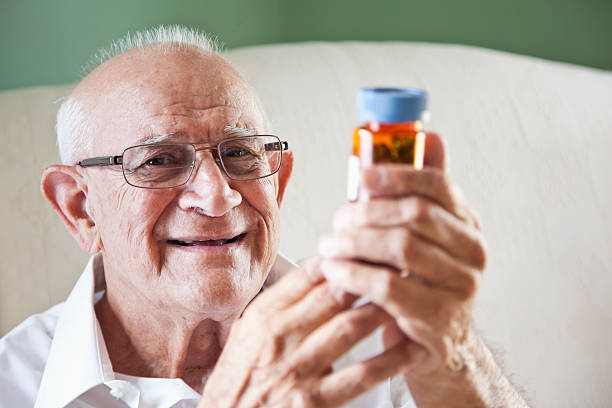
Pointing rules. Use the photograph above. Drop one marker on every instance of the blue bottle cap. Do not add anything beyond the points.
(391, 105)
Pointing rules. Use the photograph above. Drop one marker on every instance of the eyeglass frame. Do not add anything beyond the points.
(212, 147)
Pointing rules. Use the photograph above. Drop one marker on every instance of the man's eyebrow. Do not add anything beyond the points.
(234, 131)
(228, 131)
(159, 138)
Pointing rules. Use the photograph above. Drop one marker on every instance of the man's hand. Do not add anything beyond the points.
(416, 250)
(280, 352)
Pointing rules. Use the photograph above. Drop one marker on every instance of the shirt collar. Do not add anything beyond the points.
(78, 358)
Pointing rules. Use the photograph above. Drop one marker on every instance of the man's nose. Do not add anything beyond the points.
(208, 191)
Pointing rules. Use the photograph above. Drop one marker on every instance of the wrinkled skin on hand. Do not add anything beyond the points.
(280, 352)
(416, 250)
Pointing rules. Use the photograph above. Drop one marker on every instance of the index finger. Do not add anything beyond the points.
(400, 180)
(291, 287)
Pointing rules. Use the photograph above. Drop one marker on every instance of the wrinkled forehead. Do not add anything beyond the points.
(147, 92)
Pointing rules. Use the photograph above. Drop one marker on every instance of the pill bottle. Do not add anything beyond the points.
(391, 131)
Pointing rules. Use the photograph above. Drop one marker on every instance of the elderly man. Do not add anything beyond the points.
(171, 183)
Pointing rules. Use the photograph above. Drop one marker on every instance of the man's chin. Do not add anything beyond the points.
(217, 279)
(215, 305)
(214, 289)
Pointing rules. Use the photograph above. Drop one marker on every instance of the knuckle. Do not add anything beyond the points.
(476, 220)
(350, 242)
(276, 334)
(480, 255)
(357, 319)
(402, 239)
(347, 268)
(363, 211)
(438, 312)
(468, 286)
(472, 284)
(383, 286)
(309, 397)
(431, 177)
(311, 269)
(444, 349)
(361, 371)
(421, 210)
(345, 329)
(271, 346)
(327, 299)
(424, 211)
(456, 198)
(440, 180)
(273, 328)
(453, 188)
(339, 243)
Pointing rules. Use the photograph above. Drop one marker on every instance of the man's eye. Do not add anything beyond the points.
(164, 160)
(235, 153)
(157, 161)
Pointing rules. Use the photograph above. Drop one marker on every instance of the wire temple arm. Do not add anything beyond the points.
(277, 146)
(101, 161)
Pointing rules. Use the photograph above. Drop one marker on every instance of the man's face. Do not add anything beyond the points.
(143, 232)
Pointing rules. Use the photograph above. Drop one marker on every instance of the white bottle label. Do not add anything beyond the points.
(352, 185)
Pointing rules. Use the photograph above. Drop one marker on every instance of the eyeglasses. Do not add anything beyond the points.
(171, 165)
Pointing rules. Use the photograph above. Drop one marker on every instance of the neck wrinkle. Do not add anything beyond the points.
(185, 350)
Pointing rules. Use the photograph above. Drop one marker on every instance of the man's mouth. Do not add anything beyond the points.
(206, 242)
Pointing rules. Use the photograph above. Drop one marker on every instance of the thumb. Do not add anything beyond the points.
(436, 152)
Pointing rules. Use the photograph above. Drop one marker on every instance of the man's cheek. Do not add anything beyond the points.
(263, 195)
(132, 219)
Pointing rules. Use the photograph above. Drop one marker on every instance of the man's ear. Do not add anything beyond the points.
(64, 189)
(284, 174)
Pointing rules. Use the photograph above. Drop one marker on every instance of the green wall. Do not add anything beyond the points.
(577, 31)
(46, 42)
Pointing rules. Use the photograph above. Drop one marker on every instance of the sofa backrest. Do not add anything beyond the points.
(530, 142)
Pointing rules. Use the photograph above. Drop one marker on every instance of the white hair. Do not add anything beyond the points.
(74, 132)
(74, 136)
(167, 37)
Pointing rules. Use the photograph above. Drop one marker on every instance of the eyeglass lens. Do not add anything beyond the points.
(170, 165)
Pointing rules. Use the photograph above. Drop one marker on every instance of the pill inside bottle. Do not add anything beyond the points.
(391, 131)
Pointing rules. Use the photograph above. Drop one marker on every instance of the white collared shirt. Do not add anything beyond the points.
(58, 358)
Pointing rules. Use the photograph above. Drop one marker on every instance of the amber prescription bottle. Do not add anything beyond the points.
(392, 131)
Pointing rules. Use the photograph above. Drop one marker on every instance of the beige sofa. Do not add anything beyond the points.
(530, 144)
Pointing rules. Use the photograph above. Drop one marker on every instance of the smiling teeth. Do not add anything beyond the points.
(211, 242)
(215, 242)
